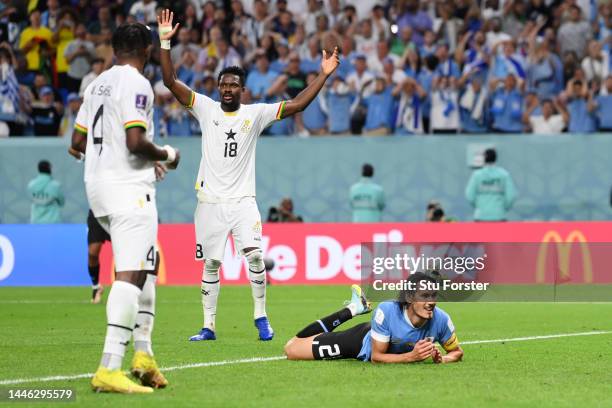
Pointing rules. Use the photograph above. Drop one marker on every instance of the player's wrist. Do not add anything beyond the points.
(164, 44)
(171, 153)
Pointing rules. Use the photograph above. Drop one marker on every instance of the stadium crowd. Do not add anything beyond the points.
(407, 66)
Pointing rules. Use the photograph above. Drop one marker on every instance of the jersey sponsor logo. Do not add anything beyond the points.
(246, 126)
(141, 101)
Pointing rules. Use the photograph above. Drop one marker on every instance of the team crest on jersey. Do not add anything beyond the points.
(246, 126)
(257, 227)
(141, 101)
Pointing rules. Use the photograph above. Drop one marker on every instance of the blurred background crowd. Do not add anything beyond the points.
(407, 66)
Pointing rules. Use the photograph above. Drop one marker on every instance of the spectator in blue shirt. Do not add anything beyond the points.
(260, 79)
(581, 108)
(311, 59)
(315, 120)
(545, 71)
(185, 68)
(380, 105)
(506, 106)
(447, 67)
(473, 105)
(604, 106)
(339, 103)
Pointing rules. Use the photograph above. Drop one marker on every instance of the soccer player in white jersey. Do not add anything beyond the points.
(114, 130)
(226, 178)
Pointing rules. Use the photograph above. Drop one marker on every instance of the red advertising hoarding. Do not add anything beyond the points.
(331, 253)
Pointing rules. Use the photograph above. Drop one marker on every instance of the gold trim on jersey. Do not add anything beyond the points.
(135, 123)
(281, 110)
(452, 343)
(80, 128)
(192, 101)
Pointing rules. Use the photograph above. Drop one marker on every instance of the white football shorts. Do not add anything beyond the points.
(215, 221)
(133, 236)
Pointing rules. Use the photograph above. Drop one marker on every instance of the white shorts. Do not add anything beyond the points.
(215, 221)
(133, 236)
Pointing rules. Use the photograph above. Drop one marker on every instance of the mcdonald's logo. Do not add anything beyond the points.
(161, 273)
(564, 250)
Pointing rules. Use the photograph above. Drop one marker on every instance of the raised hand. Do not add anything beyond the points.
(164, 22)
(330, 63)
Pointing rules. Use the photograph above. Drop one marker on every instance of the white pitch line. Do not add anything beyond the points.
(275, 358)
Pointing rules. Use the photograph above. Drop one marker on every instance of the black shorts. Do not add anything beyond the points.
(338, 345)
(95, 232)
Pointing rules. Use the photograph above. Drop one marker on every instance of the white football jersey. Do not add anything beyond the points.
(115, 179)
(227, 168)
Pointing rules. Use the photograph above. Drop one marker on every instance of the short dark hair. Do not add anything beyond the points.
(406, 295)
(367, 170)
(131, 40)
(233, 70)
(44, 167)
(490, 156)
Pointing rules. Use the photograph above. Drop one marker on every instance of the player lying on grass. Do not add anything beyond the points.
(114, 130)
(226, 178)
(401, 331)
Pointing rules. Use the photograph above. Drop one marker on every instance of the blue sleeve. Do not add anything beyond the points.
(445, 332)
(380, 330)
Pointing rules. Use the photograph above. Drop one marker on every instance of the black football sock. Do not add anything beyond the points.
(326, 324)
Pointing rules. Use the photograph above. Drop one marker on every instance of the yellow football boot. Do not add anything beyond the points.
(145, 368)
(105, 380)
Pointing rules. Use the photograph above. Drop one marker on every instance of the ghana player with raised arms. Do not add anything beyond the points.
(114, 130)
(401, 331)
(226, 178)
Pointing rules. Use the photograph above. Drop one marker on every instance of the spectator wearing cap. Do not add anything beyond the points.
(380, 105)
(73, 103)
(360, 75)
(79, 53)
(31, 38)
(97, 66)
(581, 107)
(553, 119)
(367, 199)
(575, 33)
(315, 119)
(46, 114)
(259, 79)
(444, 105)
(411, 15)
(490, 190)
(506, 105)
(47, 196)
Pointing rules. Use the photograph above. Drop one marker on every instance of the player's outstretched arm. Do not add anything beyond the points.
(138, 144)
(329, 63)
(180, 91)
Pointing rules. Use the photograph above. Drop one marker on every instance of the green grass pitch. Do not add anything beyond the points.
(55, 331)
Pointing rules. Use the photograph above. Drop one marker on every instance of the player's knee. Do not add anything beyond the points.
(211, 266)
(255, 259)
